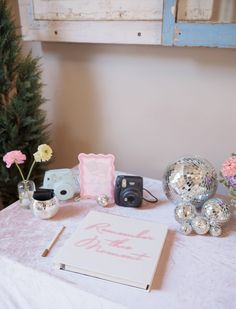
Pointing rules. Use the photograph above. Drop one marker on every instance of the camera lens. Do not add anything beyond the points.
(131, 198)
(63, 192)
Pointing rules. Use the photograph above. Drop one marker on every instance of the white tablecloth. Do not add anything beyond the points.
(194, 271)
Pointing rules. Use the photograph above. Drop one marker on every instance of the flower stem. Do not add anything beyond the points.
(31, 168)
(23, 178)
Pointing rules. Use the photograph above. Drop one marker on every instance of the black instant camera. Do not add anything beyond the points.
(129, 191)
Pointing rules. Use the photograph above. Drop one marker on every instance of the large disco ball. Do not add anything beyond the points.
(190, 180)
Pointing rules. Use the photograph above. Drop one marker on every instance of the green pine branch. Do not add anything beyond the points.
(22, 119)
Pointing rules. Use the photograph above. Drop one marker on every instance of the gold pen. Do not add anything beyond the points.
(49, 247)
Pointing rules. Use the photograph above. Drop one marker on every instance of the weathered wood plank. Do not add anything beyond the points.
(75, 10)
(169, 15)
(204, 34)
(189, 10)
(125, 32)
(221, 11)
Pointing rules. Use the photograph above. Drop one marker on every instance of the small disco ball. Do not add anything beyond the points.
(200, 225)
(190, 180)
(216, 211)
(184, 212)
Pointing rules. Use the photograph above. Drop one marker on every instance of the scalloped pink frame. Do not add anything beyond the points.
(97, 175)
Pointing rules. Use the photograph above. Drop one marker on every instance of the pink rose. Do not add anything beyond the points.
(14, 156)
(229, 167)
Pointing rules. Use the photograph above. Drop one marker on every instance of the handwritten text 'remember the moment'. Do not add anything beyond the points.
(104, 239)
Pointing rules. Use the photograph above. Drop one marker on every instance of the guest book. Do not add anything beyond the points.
(115, 248)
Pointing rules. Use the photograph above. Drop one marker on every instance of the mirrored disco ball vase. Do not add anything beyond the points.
(190, 180)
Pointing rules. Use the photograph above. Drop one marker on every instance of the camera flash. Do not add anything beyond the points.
(124, 183)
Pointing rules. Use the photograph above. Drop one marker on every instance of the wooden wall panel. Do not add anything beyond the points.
(155, 22)
(98, 9)
(217, 11)
(195, 33)
(125, 32)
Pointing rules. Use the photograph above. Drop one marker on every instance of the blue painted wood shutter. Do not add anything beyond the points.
(178, 33)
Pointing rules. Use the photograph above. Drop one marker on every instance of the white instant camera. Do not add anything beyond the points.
(62, 182)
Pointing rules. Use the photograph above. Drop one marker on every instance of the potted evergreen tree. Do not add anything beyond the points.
(22, 119)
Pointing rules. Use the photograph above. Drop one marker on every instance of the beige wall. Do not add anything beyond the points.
(148, 105)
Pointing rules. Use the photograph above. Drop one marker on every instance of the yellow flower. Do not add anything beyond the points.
(44, 153)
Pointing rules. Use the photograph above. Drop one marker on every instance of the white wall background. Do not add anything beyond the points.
(148, 105)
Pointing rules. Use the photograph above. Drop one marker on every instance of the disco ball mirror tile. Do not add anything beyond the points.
(190, 180)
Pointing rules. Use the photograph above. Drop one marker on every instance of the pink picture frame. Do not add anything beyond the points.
(96, 175)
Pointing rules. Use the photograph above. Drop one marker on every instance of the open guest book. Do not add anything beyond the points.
(115, 248)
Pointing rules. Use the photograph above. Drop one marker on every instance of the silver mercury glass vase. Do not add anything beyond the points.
(45, 209)
(25, 189)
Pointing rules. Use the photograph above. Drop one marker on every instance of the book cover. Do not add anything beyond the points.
(115, 248)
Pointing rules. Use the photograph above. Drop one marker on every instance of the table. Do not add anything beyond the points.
(193, 272)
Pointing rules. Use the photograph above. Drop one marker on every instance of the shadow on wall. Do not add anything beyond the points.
(73, 95)
(148, 105)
